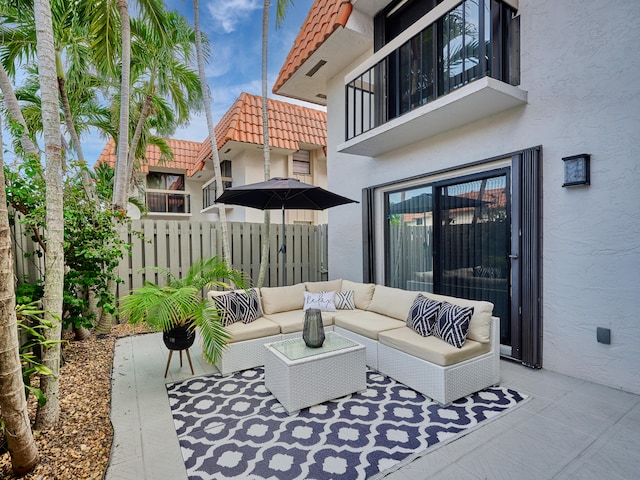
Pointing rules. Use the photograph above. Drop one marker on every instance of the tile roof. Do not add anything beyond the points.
(289, 125)
(324, 18)
(184, 153)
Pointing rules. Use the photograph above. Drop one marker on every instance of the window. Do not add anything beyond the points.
(397, 17)
(209, 190)
(453, 238)
(165, 193)
(302, 162)
(165, 181)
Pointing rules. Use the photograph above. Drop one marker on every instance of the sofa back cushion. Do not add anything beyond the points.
(329, 286)
(392, 302)
(480, 325)
(362, 293)
(282, 299)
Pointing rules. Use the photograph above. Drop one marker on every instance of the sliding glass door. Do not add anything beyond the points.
(453, 238)
(473, 243)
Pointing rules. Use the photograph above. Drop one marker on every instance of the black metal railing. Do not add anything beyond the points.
(469, 42)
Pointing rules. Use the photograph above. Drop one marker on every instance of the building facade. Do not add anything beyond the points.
(183, 187)
(494, 146)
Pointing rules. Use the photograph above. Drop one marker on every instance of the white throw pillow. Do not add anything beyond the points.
(322, 301)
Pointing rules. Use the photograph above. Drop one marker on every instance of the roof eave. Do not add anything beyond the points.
(307, 85)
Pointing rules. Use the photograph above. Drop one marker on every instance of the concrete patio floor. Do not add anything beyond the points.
(570, 429)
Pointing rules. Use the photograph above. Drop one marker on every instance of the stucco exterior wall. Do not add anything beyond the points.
(580, 67)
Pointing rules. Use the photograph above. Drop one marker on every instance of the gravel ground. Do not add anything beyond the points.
(79, 447)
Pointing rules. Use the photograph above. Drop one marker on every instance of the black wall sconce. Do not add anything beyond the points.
(576, 170)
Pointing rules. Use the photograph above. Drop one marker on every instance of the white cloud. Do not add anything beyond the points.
(228, 13)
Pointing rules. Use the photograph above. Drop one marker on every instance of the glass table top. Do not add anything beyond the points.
(296, 349)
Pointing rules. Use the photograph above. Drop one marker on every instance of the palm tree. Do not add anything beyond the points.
(71, 39)
(13, 107)
(153, 11)
(13, 401)
(103, 28)
(281, 7)
(180, 303)
(47, 415)
(163, 64)
(226, 251)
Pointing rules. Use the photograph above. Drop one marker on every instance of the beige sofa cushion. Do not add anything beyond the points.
(480, 325)
(293, 320)
(393, 302)
(282, 299)
(362, 322)
(430, 348)
(259, 328)
(362, 292)
(329, 286)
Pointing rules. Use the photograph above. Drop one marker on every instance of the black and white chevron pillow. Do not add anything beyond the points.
(423, 315)
(226, 305)
(452, 325)
(248, 305)
(344, 300)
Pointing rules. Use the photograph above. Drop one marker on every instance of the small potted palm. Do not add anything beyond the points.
(179, 308)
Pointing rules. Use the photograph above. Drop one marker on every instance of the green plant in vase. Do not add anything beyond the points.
(180, 306)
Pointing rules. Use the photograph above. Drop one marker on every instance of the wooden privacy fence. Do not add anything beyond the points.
(174, 245)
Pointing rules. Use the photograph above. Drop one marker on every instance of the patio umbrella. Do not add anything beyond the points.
(284, 194)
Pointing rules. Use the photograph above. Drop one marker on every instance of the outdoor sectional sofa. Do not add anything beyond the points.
(378, 320)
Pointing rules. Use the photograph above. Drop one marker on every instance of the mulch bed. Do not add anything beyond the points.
(79, 447)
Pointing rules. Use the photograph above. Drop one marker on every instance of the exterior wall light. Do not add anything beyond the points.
(576, 170)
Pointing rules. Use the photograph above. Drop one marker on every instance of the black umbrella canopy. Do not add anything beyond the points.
(285, 194)
(278, 193)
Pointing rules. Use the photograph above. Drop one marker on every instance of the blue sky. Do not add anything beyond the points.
(234, 28)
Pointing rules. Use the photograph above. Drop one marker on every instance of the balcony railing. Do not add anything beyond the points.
(210, 191)
(466, 43)
(168, 202)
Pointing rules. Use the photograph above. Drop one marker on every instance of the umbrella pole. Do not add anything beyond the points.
(283, 251)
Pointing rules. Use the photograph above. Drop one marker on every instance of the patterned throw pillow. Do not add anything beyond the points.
(248, 306)
(344, 300)
(322, 301)
(227, 306)
(452, 325)
(423, 315)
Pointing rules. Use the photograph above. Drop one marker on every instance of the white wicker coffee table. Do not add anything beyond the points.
(300, 376)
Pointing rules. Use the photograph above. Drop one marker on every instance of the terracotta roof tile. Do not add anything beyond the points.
(289, 125)
(184, 155)
(323, 19)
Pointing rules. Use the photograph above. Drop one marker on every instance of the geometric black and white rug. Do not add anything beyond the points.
(233, 427)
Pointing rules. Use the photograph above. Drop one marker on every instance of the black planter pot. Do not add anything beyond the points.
(179, 338)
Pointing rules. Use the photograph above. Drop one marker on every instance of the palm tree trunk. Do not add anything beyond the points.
(12, 105)
(144, 114)
(264, 256)
(226, 251)
(87, 185)
(47, 415)
(13, 401)
(121, 182)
